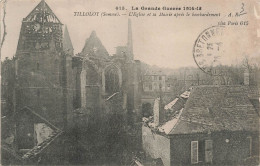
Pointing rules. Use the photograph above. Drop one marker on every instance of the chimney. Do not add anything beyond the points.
(130, 41)
(158, 112)
(246, 77)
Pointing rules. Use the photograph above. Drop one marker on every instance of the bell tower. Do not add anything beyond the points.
(41, 30)
(43, 65)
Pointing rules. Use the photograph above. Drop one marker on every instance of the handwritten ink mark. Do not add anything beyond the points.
(242, 12)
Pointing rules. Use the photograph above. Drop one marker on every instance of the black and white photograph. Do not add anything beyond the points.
(130, 82)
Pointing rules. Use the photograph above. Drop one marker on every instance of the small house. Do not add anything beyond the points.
(205, 125)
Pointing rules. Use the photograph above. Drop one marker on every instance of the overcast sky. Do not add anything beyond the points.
(161, 41)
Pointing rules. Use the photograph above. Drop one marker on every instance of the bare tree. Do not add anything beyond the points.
(1, 45)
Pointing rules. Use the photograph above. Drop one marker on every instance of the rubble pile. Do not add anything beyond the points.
(38, 148)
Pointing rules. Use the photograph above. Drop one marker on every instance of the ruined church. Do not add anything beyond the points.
(52, 83)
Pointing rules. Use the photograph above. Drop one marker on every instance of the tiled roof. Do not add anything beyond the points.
(253, 92)
(209, 109)
(173, 111)
(168, 126)
(171, 104)
(216, 108)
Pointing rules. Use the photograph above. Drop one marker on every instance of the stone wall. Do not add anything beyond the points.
(228, 148)
(156, 146)
(40, 82)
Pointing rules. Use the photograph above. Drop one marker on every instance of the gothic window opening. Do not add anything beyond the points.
(91, 76)
(112, 83)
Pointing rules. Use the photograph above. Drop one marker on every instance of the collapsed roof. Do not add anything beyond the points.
(42, 143)
(209, 109)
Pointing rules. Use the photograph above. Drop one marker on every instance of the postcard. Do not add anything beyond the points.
(130, 82)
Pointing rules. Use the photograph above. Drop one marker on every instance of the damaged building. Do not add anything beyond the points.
(205, 125)
(53, 86)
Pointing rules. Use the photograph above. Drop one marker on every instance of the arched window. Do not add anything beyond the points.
(112, 80)
(91, 76)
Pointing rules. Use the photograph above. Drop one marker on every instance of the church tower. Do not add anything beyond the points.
(43, 66)
(41, 30)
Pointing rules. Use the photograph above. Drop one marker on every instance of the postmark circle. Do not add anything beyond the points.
(208, 49)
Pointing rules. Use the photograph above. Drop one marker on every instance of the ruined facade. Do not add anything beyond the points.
(43, 64)
(100, 76)
(53, 82)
